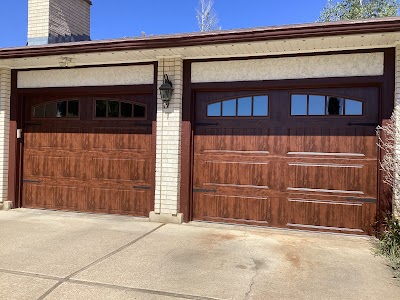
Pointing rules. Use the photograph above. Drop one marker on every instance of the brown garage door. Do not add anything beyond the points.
(89, 154)
(304, 159)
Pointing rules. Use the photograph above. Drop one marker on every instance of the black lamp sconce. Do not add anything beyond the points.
(166, 90)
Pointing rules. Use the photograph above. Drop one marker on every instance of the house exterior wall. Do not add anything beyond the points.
(5, 91)
(341, 65)
(169, 140)
(126, 75)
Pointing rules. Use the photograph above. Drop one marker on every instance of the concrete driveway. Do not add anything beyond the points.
(59, 255)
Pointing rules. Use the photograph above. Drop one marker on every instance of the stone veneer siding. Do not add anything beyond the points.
(5, 91)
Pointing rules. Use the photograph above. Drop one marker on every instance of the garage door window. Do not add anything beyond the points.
(251, 106)
(57, 109)
(119, 109)
(320, 105)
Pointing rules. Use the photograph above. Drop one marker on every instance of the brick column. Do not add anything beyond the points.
(5, 90)
(168, 149)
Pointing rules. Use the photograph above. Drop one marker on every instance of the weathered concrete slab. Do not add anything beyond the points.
(72, 291)
(17, 287)
(142, 260)
(253, 264)
(59, 243)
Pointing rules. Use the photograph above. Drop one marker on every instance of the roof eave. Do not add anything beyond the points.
(218, 37)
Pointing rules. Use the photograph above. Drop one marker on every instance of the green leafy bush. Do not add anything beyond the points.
(389, 244)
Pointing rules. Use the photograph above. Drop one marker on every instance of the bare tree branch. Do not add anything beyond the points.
(388, 135)
(206, 17)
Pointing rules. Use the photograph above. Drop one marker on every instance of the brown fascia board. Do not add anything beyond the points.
(378, 25)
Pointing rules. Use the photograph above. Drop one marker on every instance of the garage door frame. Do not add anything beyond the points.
(384, 82)
(16, 149)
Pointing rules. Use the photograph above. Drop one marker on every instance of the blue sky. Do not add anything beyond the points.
(130, 17)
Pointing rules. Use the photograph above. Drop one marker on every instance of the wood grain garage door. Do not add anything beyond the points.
(304, 159)
(91, 154)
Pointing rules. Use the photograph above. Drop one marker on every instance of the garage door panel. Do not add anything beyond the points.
(47, 166)
(40, 195)
(231, 140)
(43, 137)
(67, 197)
(336, 177)
(128, 139)
(329, 215)
(121, 201)
(237, 173)
(237, 209)
(346, 141)
(120, 169)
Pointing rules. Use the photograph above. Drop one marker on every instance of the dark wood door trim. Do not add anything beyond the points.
(14, 159)
(89, 90)
(187, 145)
(384, 203)
(359, 81)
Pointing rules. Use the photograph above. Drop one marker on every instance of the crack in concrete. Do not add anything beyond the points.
(252, 282)
(256, 268)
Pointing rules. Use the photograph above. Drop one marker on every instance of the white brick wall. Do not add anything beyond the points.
(168, 152)
(5, 90)
(38, 18)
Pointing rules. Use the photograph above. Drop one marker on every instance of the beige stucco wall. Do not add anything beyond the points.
(341, 65)
(100, 76)
(5, 90)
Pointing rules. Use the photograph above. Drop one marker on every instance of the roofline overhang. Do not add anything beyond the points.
(367, 26)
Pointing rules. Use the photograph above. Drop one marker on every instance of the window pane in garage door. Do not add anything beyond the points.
(260, 106)
(299, 105)
(316, 105)
(244, 107)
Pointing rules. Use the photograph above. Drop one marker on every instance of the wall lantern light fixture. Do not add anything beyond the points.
(166, 90)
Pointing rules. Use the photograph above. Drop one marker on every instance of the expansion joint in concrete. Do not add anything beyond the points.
(67, 278)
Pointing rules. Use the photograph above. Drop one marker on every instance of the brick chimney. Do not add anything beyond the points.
(58, 21)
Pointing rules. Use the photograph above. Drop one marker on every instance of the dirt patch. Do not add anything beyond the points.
(293, 259)
(214, 238)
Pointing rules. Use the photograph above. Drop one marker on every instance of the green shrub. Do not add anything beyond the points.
(389, 244)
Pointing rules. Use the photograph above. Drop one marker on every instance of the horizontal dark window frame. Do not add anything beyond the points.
(56, 118)
(252, 96)
(120, 118)
(326, 96)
